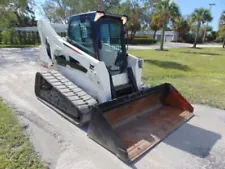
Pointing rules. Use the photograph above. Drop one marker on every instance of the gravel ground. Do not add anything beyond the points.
(200, 143)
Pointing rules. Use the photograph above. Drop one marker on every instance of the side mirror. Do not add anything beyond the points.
(99, 44)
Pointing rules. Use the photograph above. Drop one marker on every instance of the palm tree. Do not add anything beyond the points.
(155, 23)
(222, 27)
(200, 16)
(181, 26)
(168, 11)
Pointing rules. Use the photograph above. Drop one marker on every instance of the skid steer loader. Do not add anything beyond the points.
(90, 78)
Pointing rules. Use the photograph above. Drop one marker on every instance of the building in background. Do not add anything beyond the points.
(169, 35)
(58, 28)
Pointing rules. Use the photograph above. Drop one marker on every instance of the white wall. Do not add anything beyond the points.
(169, 35)
(57, 27)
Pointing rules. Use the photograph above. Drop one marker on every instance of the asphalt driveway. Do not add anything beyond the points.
(200, 143)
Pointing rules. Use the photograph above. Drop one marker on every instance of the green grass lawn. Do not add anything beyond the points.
(18, 46)
(199, 74)
(16, 152)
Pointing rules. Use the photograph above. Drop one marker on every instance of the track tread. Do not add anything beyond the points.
(69, 94)
(68, 83)
(73, 98)
(78, 102)
(71, 87)
(65, 90)
(55, 83)
(63, 80)
(61, 87)
(80, 93)
(76, 90)
(76, 95)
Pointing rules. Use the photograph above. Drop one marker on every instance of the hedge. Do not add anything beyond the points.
(17, 46)
(141, 41)
(218, 40)
(12, 37)
(177, 41)
(17, 37)
(144, 36)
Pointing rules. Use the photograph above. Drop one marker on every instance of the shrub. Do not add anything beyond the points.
(141, 41)
(17, 46)
(144, 36)
(190, 38)
(5, 37)
(178, 41)
(14, 37)
(218, 40)
(0, 36)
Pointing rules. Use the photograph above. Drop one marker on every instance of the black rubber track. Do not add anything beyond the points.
(58, 92)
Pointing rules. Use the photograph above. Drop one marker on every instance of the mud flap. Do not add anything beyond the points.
(131, 125)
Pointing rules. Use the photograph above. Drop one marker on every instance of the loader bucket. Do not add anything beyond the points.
(131, 125)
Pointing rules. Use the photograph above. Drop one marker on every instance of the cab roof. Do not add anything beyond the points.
(94, 12)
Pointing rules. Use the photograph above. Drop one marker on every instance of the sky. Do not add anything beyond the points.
(186, 7)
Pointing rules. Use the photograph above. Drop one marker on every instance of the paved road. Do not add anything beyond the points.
(168, 45)
(200, 143)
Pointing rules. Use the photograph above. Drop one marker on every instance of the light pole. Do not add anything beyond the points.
(205, 33)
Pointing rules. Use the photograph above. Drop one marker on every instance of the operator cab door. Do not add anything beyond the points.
(81, 34)
(109, 40)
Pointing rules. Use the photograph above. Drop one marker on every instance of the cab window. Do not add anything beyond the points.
(81, 35)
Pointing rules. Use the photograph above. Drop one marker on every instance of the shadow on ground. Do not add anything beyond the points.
(195, 48)
(191, 139)
(168, 64)
(202, 53)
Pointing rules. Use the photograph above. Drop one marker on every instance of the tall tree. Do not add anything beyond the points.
(17, 13)
(58, 10)
(199, 17)
(181, 26)
(168, 11)
(61, 10)
(222, 27)
(135, 15)
(155, 23)
(207, 29)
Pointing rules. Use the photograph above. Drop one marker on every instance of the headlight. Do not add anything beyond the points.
(98, 15)
(124, 19)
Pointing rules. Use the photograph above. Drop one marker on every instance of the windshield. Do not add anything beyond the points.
(81, 35)
(102, 39)
(110, 34)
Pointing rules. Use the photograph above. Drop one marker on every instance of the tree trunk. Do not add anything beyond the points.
(196, 35)
(224, 43)
(204, 35)
(101, 5)
(154, 34)
(162, 35)
(133, 33)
